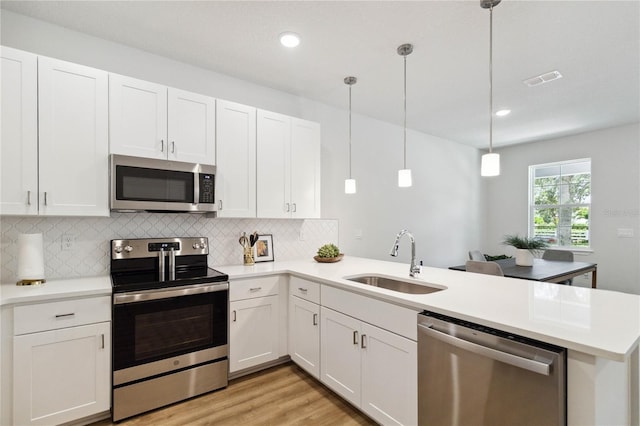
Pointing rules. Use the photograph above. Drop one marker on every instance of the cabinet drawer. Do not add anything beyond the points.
(254, 287)
(304, 289)
(62, 314)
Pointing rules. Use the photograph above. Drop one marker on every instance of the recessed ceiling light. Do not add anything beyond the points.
(289, 39)
(503, 112)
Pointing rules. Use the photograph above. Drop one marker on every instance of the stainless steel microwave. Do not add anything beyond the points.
(147, 184)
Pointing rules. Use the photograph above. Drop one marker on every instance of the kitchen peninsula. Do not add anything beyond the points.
(600, 329)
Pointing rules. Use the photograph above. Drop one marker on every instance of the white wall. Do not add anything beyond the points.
(615, 179)
(443, 209)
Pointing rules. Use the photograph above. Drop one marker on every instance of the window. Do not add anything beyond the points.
(560, 203)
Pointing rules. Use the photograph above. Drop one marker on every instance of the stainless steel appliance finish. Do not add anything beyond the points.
(469, 374)
(169, 325)
(147, 184)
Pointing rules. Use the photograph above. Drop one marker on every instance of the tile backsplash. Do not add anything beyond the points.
(90, 236)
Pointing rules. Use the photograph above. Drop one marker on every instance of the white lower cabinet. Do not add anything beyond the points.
(254, 322)
(304, 334)
(372, 368)
(61, 374)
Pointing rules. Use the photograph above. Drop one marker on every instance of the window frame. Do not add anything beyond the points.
(532, 206)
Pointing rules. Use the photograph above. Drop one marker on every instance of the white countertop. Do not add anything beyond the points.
(597, 322)
(55, 289)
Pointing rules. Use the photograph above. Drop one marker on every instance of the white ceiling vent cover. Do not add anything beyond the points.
(543, 78)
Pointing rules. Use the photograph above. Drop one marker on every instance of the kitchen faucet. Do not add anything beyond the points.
(414, 268)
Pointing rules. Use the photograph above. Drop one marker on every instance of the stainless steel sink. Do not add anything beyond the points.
(394, 284)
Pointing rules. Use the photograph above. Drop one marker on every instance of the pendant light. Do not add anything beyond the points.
(404, 175)
(490, 165)
(350, 184)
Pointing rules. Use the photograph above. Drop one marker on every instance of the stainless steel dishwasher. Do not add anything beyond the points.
(469, 374)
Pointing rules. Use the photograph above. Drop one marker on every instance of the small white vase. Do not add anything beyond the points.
(524, 257)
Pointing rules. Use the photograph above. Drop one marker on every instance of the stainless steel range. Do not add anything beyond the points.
(169, 323)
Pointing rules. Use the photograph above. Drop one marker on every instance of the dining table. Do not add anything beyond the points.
(554, 271)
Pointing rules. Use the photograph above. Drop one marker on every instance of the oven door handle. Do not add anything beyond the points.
(156, 294)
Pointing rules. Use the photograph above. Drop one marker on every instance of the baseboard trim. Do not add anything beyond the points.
(250, 370)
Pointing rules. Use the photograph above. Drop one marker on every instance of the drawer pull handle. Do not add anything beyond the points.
(304, 290)
(315, 319)
(28, 198)
(255, 289)
(65, 315)
(355, 337)
(234, 316)
(102, 341)
(363, 341)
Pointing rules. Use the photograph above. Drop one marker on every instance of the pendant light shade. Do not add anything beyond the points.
(350, 184)
(490, 165)
(404, 178)
(404, 175)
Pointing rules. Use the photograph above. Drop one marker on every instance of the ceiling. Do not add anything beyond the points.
(594, 44)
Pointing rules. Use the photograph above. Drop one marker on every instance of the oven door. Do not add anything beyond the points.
(158, 331)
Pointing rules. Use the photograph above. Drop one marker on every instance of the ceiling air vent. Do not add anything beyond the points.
(543, 78)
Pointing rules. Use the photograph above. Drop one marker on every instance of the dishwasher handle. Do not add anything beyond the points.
(517, 361)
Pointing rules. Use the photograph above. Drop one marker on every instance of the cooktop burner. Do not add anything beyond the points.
(142, 264)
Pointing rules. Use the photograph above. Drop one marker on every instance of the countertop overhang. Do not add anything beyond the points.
(597, 322)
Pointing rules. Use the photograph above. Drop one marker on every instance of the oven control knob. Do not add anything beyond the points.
(196, 246)
(128, 249)
(118, 249)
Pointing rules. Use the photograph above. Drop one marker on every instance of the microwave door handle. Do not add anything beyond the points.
(196, 187)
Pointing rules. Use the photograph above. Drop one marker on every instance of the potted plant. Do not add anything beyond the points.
(328, 253)
(525, 248)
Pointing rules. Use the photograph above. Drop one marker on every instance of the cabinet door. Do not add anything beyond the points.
(236, 158)
(340, 354)
(191, 127)
(73, 139)
(61, 375)
(305, 169)
(273, 165)
(137, 117)
(304, 334)
(253, 329)
(19, 137)
(389, 377)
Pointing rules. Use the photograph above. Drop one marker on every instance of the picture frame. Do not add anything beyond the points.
(263, 249)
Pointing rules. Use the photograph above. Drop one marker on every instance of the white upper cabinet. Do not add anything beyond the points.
(305, 168)
(191, 127)
(73, 139)
(154, 121)
(236, 158)
(137, 117)
(19, 143)
(288, 166)
(54, 137)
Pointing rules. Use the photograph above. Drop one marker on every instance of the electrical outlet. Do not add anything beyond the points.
(68, 241)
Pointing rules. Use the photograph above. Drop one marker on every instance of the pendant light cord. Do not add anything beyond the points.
(350, 131)
(490, 78)
(405, 113)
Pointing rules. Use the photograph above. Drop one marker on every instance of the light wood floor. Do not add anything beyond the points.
(282, 395)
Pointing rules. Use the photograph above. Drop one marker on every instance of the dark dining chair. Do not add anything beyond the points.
(560, 255)
(476, 255)
(484, 267)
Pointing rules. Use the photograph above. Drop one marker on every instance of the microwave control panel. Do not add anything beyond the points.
(207, 186)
